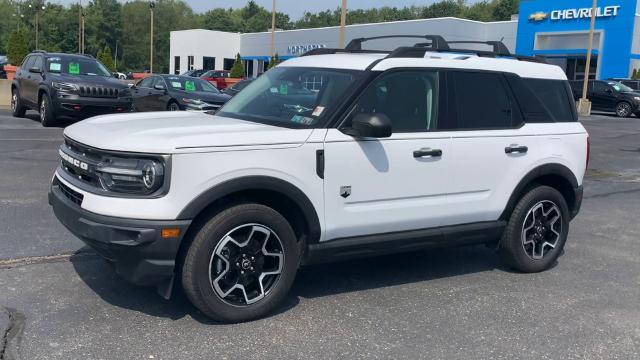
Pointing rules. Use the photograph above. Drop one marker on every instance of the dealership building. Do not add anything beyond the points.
(558, 30)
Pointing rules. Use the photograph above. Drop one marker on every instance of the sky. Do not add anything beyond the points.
(295, 8)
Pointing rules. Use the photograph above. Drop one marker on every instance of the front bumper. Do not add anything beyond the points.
(135, 247)
(83, 107)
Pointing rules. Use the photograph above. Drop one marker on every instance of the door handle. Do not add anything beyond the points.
(516, 149)
(424, 152)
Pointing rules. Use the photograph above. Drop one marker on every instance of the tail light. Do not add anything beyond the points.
(588, 151)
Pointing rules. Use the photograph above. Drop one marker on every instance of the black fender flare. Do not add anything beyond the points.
(542, 170)
(208, 197)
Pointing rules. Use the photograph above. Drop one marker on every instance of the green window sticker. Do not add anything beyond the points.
(284, 89)
(190, 86)
(74, 68)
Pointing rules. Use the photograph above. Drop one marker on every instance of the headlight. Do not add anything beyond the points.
(636, 98)
(193, 101)
(66, 87)
(132, 176)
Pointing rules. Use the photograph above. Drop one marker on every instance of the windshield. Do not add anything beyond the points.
(190, 84)
(292, 96)
(76, 66)
(620, 87)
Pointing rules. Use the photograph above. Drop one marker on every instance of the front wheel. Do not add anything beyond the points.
(537, 231)
(623, 109)
(47, 117)
(241, 263)
(173, 106)
(17, 109)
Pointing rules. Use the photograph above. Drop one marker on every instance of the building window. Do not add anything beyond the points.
(208, 63)
(176, 65)
(228, 64)
(189, 62)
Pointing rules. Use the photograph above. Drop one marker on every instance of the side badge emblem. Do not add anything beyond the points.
(345, 191)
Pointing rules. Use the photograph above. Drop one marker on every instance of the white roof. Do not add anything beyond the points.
(525, 69)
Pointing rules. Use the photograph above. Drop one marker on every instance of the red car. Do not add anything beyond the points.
(217, 78)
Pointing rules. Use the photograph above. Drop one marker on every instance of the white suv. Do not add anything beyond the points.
(332, 155)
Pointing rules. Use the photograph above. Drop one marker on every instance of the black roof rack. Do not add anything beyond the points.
(436, 43)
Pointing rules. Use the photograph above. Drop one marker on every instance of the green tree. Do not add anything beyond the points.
(237, 70)
(106, 57)
(505, 8)
(17, 47)
(273, 61)
(446, 8)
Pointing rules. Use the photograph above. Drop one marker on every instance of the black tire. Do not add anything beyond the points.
(514, 250)
(173, 106)
(199, 267)
(623, 109)
(17, 109)
(47, 117)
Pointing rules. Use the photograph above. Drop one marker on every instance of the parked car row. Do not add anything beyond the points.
(79, 86)
(609, 95)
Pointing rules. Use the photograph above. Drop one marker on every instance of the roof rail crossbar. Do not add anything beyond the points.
(437, 41)
(499, 48)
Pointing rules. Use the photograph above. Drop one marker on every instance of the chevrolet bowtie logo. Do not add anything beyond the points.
(538, 16)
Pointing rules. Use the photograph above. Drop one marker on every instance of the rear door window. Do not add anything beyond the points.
(481, 100)
(554, 96)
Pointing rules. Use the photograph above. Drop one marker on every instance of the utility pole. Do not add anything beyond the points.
(80, 27)
(584, 105)
(343, 20)
(273, 29)
(115, 57)
(151, 6)
(37, 20)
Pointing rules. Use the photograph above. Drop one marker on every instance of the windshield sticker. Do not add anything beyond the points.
(299, 119)
(274, 90)
(318, 111)
(190, 86)
(74, 68)
(284, 89)
(55, 67)
(176, 84)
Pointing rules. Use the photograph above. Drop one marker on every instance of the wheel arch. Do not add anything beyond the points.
(556, 176)
(281, 195)
(41, 90)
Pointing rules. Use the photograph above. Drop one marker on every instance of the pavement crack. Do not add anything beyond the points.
(34, 260)
(13, 331)
(612, 193)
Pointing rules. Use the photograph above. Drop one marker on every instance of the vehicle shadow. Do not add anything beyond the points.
(60, 122)
(311, 282)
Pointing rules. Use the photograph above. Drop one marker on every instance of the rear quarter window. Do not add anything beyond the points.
(544, 100)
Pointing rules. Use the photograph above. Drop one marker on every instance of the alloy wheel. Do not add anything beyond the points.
(542, 229)
(43, 109)
(246, 264)
(623, 109)
(14, 101)
(173, 107)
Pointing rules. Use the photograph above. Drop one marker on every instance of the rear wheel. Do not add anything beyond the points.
(173, 106)
(537, 231)
(241, 263)
(17, 109)
(47, 117)
(623, 109)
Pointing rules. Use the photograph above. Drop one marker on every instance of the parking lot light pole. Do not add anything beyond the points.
(273, 29)
(343, 20)
(584, 105)
(38, 8)
(151, 6)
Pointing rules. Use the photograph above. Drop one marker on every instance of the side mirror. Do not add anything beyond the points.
(608, 91)
(35, 70)
(370, 125)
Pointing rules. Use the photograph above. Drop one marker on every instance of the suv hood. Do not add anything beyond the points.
(88, 79)
(180, 132)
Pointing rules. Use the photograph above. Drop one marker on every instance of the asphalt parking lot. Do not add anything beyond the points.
(59, 301)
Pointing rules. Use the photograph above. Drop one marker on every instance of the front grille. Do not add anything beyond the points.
(69, 193)
(85, 155)
(98, 92)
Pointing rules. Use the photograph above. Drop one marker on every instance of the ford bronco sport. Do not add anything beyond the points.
(336, 154)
